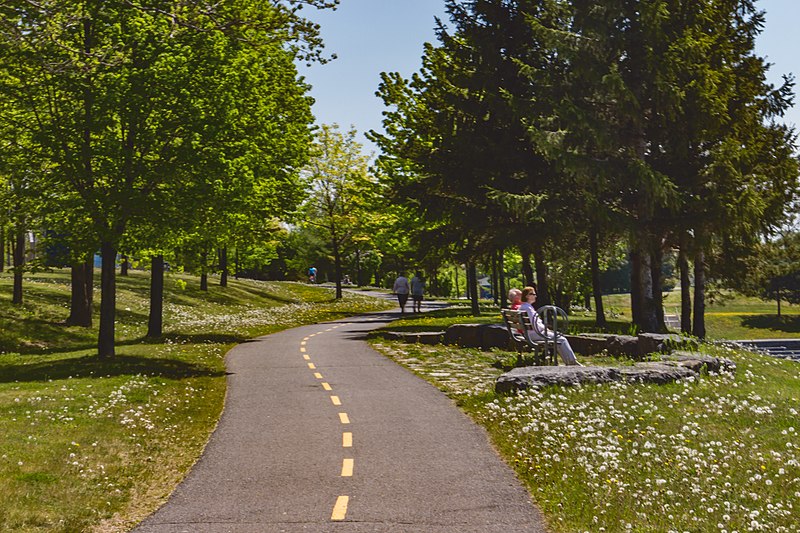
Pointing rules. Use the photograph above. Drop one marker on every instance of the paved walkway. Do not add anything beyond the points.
(321, 433)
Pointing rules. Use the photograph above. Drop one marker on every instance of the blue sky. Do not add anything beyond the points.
(374, 36)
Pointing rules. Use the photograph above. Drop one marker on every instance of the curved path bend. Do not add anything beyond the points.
(321, 433)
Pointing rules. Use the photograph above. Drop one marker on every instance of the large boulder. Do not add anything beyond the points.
(663, 342)
(484, 336)
(495, 336)
(588, 344)
(420, 337)
(623, 345)
(652, 372)
(542, 376)
(683, 366)
(698, 362)
(464, 335)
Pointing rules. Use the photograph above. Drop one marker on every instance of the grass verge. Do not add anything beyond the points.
(91, 445)
(716, 453)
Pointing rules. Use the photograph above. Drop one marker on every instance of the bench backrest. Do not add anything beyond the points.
(516, 321)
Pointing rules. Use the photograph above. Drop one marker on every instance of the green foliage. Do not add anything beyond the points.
(774, 270)
(342, 194)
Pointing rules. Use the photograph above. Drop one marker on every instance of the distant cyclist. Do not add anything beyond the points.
(312, 274)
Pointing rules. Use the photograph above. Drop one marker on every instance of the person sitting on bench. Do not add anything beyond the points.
(514, 299)
(564, 349)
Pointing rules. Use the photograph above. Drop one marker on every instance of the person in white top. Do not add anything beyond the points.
(401, 288)
(564, 349)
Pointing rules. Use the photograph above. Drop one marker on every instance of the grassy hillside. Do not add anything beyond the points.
(92, 445)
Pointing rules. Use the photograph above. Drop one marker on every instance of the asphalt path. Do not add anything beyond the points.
(321, 433)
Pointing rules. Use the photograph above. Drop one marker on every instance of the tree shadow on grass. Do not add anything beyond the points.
(94, 367)
(786, 323)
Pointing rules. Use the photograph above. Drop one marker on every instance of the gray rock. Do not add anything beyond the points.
(542, 376)
(588, 344)
(421, 337)
(483, 336)
(653, 372)
(495, 336)
(699, 362)
(464, 335)
(623, 345)
(663, 342)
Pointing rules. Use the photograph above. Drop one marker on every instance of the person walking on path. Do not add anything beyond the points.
(417, 291)
(401, 288)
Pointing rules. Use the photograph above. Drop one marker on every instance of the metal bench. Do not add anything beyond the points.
(544, 351)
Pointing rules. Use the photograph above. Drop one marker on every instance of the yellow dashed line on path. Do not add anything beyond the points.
(317, 375)
(336, 400)
(343, 418)
(303, 343)
(312, 366)
(307, 357)
(302, 350)
(347, 467)
(347, 440)
(340, 509)
(326, 386)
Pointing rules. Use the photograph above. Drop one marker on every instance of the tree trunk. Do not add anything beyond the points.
(527, 271)
(155, 322)
(337, 269)
(495, 284)
(2, 248)
(236, 263)
(636, 288)
(88, 266)
(472, 282)
(501, 266)
(123, 265)
(597, 290)
(699, 322)
(778, 298)
(686, 297)
(458, 293)
(108, 301)
(543, 296)
(642, 279)
(204, 270)
(358, 268)
(223, 266)
(656, 258)
(19, 264)
(80, 308)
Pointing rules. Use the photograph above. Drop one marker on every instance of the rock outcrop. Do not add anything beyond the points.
(672, 368)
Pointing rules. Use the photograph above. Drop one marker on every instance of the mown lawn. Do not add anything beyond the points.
(720, 453)
(91, 445)
(729, 316)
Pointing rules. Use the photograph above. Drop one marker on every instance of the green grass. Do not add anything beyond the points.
(94, 445)
(730, 316)
(717, 453)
